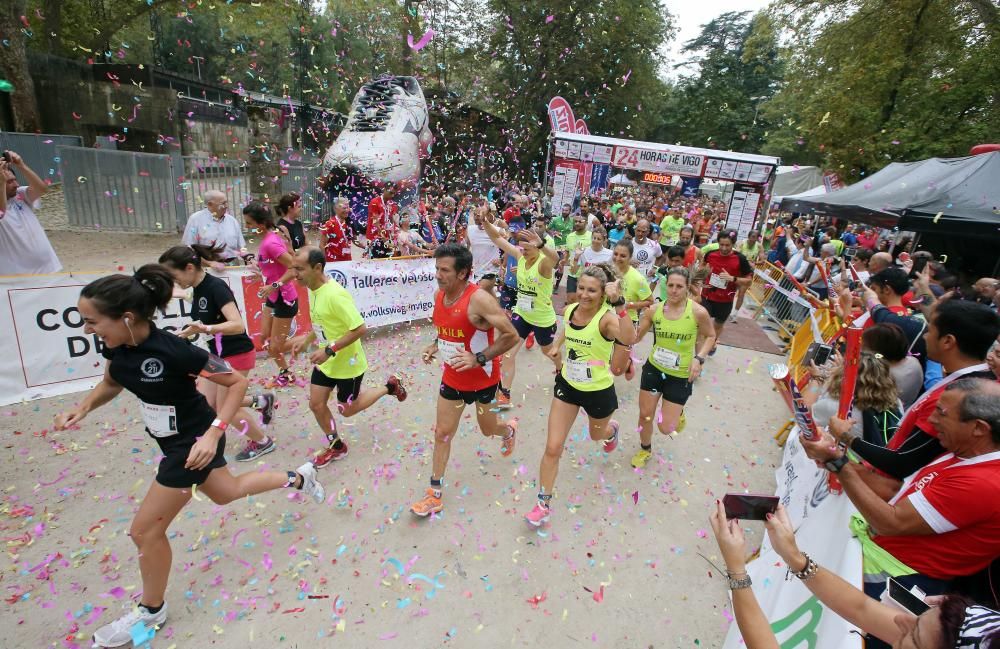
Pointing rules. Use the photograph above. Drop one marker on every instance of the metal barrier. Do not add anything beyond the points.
(774, 302)
(39, 151)
(302, 179)
(119, 190)
(828, 325)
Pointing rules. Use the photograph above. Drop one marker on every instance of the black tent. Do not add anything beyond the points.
(946, 196)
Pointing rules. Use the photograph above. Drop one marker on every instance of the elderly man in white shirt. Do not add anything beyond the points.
(214, 226)
(24, 247)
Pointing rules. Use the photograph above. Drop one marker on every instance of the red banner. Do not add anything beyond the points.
(254, 307)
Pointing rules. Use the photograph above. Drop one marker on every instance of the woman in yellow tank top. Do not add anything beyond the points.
(673, 363)
(534, 313)
(598, 334)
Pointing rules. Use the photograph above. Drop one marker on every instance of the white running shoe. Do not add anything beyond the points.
(119, 632)
(310, 485)
(387, 132)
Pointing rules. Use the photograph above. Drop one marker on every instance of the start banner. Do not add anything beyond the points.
(48, 353)
(821, 519)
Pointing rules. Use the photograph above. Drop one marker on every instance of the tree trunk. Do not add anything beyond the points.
(14, 67)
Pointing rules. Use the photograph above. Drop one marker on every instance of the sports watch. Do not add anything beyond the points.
(834, 466)
(700, 359)
(330, 351)
(481, 358)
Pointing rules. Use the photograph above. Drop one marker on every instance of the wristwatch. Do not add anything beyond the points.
(834, 466)
(275, 284)
(481, 358)
(700, 359)
(330, 351)
(619, 302)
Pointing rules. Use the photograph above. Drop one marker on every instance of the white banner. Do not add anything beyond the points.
(47, 352)
(682, 164)
(393, 290)
(821, 519)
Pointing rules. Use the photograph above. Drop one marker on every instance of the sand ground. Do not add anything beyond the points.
(619, 565)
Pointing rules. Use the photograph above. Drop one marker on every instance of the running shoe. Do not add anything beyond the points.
(507, 447)
(530, 341)
(714, 349)
(611, 443)
(330, 454)
(429, 504)
(265, 405)
(503, 401)
(396, 387)
(281, 380)
(641, 457)
(681, 423)
(537, 516)
(119, 632)
(254, 450)
(310, 485)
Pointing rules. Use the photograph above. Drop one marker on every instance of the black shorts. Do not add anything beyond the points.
(570, 284)
(544, 335)
(280, 308)
(508, 297)
(347, 389)
(172, 473)
(673, 388)
(718, 310)
(597, 403)
(485, 396)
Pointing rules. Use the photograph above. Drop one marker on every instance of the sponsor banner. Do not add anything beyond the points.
(681, 164)
(385, 292)
(821, 520)
(562, 119)
(690, 186)
(565, 180)
(742, 212)
(599, 179)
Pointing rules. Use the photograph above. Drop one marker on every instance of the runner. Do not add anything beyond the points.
(484, 253)
(673, 364)
(578, 239)
(729, 270)
(472, 333)
(281, 301)
(597, 349)
(533, 313)
(645, 251)
(214, 313)
(341, 362)
(160, 369)
(595, 254)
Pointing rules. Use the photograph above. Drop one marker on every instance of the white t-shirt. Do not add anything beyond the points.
(24, 247)
(592, 221)
(484, 251)
(203, 228)
(589, 257)
(644, 256)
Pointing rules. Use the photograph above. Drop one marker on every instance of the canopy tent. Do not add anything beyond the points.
(621, 179)
(815, 191)
(947, 196)
(795, 179)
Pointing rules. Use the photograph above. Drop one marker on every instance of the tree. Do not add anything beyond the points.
(14, 66)
(871, 82)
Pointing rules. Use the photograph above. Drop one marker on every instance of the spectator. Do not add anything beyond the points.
(24, 248)
(333, 241)
(858, 271)
(214, 226)
(868, 239)
(289, 208)
(944, 522)
(951, 622)
(985, 290)
(876, 410)
(884, 299)
(848, 237)
(879, 262)
(382, 222)
(890, 341)
(408, 242)
(959, 336)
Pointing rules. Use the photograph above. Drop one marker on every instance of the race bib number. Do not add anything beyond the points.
(526, 302)
(666, 358)
(161, 421)
(448, 349)
(318, 332)
(716, 281)
(578, 371)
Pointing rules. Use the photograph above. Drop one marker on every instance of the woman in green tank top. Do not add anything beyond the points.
(674, 363)
(534, 313)
(598, 334)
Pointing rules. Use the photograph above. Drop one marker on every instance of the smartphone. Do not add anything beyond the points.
(818, 353)
(901, 596)
(849, 253)
(750, 507)
(6, 157)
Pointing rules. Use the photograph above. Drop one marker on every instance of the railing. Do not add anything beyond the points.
(39, 151)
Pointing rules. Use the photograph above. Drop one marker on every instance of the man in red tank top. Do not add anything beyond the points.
(472, 333)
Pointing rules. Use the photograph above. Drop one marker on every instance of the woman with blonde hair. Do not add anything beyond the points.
(877, 408)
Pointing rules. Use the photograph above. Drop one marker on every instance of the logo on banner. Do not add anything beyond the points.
(152, 367)
(563, 120)
(339, 276)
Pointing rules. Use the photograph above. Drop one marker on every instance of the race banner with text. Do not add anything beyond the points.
(798, 619)
(388, 291)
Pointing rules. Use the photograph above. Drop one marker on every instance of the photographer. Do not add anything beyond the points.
(951, 620)
(24, 248)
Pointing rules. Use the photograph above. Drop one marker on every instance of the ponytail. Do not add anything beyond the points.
(179, 257)
(148, 289)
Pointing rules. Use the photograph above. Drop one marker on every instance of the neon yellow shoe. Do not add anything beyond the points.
(681, 423)
(639, 459)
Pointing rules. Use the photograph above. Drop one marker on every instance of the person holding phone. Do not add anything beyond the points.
(24, 247)
(951, 621)
(161, 370)
(674, 362)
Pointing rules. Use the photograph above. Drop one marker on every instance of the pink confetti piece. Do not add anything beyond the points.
(635, 497)
(424, 40)
(549, 19)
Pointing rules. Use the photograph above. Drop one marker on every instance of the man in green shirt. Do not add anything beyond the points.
(560, 226)
(340, 362)
(670, 227)
(577, 240)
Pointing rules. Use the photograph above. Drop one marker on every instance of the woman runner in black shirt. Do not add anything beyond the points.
(160, 369)
(214, 312)
(289, 208)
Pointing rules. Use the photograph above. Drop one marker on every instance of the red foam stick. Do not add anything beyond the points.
(800, 411)
(852, 359)
(824, 273)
